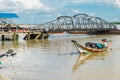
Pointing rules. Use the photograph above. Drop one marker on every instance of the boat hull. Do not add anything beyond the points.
(77, 32)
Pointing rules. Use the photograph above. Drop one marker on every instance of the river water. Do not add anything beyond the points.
(58, 59)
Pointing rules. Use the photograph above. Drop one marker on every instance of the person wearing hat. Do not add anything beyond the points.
(106, 43)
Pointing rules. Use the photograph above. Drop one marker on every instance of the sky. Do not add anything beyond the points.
(41, 11)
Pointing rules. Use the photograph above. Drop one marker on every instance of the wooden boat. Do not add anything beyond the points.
(77, 32)
(55, 32)
(87, 54)
(6, 55)
(83, 49)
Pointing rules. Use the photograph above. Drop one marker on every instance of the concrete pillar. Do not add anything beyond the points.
(15, 36)
(28, 36)
(38, 35)
(45, 36)
(2, 37)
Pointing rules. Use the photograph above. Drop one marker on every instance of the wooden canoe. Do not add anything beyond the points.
(82, 48)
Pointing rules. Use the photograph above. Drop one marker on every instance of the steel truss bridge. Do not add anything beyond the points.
(78, 22)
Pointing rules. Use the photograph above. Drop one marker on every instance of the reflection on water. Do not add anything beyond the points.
(9, 44)
(82, 58)
(58, 59)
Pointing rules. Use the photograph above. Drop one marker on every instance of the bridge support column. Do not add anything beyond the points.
(9, 37)
(36, 36)
(15, 36)
(2, 37)
(45, 36)
(28, 36)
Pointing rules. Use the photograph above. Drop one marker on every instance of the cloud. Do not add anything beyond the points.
(6, 5)
(20, 5)
(46, 5)
(45, 10)
(70, 12)
(32, 4)
(115, 3)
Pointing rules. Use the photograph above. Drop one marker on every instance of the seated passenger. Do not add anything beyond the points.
(98, 45)
(90, 44)
(104, 44)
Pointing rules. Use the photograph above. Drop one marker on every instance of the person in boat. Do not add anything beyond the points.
(94, 45)
(90, 44)
(104, 44)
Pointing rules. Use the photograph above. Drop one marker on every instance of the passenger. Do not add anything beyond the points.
(98, 45)
(104, 43)
(90, 44)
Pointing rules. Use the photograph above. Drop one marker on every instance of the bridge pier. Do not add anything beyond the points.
(45, 36)
(9, 36)
(15, 36)
(36, 36)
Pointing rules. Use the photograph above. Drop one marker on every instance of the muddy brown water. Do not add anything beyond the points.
(58, 59)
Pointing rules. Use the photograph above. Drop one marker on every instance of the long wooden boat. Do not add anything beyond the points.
(83, 49)
(77, 32)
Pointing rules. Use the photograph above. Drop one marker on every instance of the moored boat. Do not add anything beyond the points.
(77, 32)
(55, 32)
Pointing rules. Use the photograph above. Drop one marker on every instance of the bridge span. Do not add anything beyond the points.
(77, 23)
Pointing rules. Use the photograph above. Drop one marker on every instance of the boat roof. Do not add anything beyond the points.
(8, 15)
